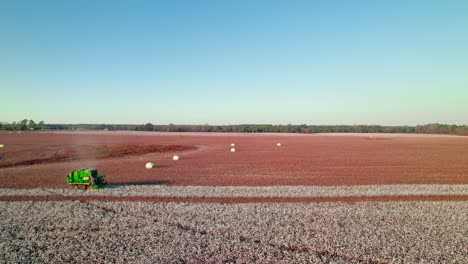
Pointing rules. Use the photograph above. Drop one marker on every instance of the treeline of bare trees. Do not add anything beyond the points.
(308, 129)
(26, 124)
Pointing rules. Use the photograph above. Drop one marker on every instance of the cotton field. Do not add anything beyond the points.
(186, 198)
(137, 232)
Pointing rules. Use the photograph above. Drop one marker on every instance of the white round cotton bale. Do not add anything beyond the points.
(278, 144)
(149, 165)
(233, 150)
(233, 145)
(175, 157)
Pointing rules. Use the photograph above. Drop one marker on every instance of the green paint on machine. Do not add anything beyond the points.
(87, 179)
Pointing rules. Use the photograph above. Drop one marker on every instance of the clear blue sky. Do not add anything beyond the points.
(230, 62)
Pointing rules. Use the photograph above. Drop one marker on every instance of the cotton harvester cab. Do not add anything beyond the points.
(86, 179)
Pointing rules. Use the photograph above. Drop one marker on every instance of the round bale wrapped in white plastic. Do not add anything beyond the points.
(233, 150)
(175, 157)
(149, 165)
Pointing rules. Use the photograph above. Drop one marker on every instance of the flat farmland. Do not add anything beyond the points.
(352, 198)
(323, 160)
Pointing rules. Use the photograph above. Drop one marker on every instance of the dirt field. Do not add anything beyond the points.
(301, 160)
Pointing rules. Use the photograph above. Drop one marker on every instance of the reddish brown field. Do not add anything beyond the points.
(30, 155)
(302, 159)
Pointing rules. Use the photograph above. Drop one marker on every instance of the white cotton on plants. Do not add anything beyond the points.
(149, 165)
(175, 157)
(233, 150)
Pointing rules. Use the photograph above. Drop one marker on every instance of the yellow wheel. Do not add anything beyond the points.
(90, 187)
(75, 187)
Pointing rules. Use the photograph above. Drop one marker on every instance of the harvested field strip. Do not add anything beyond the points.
(301, 161)
(235, 200)
(31, 156)
(245, 191)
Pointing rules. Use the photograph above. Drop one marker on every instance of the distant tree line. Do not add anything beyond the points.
(26, 124)
(23, 125)
(90, 127)
(308, 129)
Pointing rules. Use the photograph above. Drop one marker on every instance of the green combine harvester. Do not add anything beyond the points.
(86, 179)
